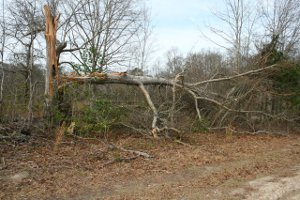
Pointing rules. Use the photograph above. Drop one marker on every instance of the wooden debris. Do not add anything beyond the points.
(50, 35)
(3, 164)
(59, 135)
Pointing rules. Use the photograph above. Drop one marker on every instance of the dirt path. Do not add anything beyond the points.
(214, 167)
(226, 180)
(276, 187)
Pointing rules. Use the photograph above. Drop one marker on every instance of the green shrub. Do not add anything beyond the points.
(200, 125)
(99, 116)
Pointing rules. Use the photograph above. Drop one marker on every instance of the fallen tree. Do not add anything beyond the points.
(199, 91)
(194, 89)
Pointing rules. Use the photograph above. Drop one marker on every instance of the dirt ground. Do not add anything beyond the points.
(205, 166)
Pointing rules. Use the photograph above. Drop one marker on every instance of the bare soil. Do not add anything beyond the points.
(205, 166)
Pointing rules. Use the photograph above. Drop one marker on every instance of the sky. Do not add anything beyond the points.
(178, 24)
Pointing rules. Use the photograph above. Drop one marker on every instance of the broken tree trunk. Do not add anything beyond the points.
(52, 64)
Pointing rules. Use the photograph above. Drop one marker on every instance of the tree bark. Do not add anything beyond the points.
(52, 64)
(155, 128)
(2, 61)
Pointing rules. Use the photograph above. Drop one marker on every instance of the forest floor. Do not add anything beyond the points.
(201, 166)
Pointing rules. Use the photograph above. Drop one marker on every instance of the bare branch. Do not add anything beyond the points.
(232, 77)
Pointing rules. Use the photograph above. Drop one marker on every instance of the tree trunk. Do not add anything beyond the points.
(52, 61)
(2, 62)
(52, 65)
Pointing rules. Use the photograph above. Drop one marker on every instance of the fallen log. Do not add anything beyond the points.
(117, 78)
(194, 89)
(126, 79)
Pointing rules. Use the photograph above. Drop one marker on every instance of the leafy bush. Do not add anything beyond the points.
(200, 125)
(98, 117)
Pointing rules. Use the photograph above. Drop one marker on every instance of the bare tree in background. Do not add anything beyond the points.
(203, 65)
(238, 20)
(26, 20)
(144, 47)
(101, 31)
(3, 39)
(175, 62)
(281, 19)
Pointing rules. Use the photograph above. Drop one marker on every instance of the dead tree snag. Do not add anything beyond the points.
(52, 64)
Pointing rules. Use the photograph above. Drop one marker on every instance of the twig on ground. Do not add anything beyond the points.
(3, 164)
(161, 170)
(112, 146)
(86, 138)
(183, 143)
(116, 160)
(138, 153)
(250, 132)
